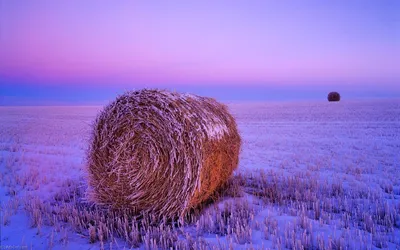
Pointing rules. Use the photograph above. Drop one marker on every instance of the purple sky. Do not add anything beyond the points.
(115, 45)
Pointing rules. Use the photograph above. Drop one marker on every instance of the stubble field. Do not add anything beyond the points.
(312, 175)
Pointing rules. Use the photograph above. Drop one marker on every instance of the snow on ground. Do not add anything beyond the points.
(314, 174)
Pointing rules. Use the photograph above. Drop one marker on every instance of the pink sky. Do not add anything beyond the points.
(161, 42)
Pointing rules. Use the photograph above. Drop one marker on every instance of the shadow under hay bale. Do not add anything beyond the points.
(333, 97)
(161, 152)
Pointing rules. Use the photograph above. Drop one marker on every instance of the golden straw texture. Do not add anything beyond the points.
(161, 152)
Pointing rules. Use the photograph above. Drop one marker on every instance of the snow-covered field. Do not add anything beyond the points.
(313, 175)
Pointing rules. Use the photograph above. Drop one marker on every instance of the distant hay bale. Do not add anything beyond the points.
(333, 97)
(161, 152)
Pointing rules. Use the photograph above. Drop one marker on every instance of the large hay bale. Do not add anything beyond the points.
(333, 97)
(161, 152)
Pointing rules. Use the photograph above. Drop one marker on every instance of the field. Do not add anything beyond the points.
(312, 175)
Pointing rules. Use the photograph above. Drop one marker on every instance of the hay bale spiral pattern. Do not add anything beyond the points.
(161, 152)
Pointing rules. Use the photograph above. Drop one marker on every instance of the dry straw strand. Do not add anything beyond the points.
(161, 152)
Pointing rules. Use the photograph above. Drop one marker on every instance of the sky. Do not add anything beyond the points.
(89, 51)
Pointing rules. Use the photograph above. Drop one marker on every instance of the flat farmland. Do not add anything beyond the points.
(312, 175)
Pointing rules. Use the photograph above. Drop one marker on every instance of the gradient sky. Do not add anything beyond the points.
(50, 49)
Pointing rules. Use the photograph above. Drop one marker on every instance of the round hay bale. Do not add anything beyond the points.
(161, 152)
(333, 97)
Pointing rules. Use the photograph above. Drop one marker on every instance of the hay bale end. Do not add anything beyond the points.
(160, 152)
(333, 97)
